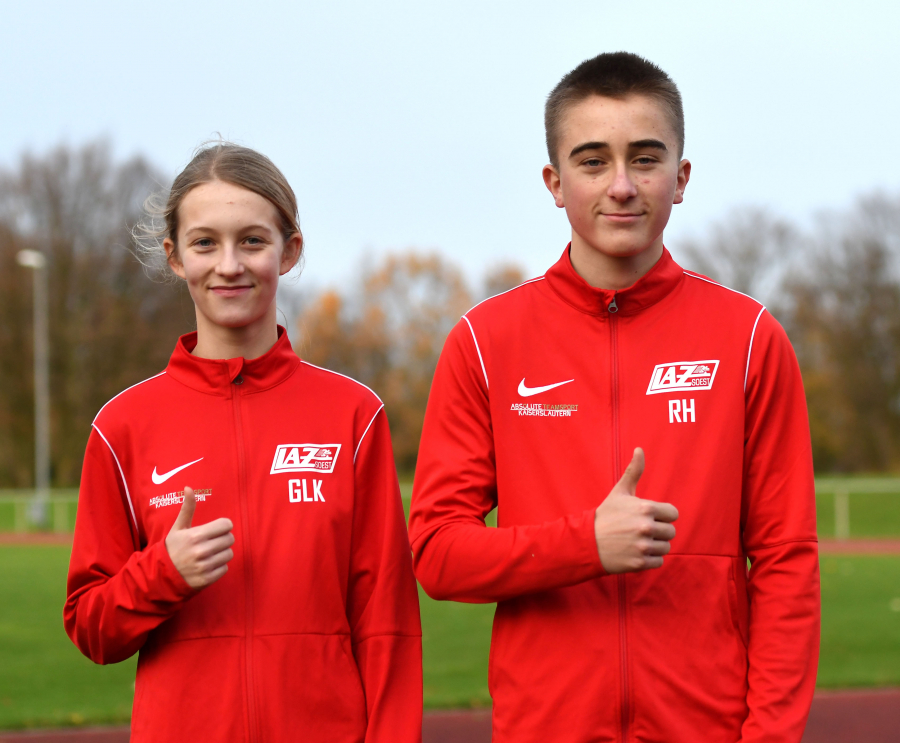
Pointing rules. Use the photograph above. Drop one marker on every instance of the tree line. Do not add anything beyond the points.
(835, 287)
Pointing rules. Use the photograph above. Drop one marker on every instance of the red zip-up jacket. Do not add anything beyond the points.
(313, 633)
(540, 396)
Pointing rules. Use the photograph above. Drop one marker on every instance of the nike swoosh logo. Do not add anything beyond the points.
(160, 479)
(529, 391)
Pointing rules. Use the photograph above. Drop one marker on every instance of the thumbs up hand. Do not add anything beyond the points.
(200, 553)
(633, 534)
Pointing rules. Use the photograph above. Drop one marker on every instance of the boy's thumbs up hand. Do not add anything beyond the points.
(200, 553)
(627, 484)
(632, 533)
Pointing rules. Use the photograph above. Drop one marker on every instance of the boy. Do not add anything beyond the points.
(609, 627)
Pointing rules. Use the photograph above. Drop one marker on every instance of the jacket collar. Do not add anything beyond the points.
(657, 283)
(218, 376)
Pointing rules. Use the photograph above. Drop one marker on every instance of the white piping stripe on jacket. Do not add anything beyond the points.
(763, 309)
(331, 371)
(750, 350)
(124, 391)
(716, 283)
(494, 296)
(472, 330)
(366, 431)
(124, 481)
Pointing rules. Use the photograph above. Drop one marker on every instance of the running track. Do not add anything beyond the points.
(836, 717)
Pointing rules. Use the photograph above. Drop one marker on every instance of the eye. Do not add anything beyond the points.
(203, 242)
(593, 162)
(645, 160)
(254, 241)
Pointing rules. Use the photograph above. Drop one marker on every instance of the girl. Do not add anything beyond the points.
(239, 521)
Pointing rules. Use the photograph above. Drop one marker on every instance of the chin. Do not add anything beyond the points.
(621, 248)
(233, 320)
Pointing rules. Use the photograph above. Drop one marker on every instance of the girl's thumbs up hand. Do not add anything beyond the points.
(200, 553)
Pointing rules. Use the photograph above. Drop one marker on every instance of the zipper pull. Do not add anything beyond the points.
(613, 307)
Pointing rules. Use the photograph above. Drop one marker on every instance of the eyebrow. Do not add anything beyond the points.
(639, 144)
(248, 228)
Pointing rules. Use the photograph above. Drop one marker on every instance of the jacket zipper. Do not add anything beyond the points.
(253, 732)
(613, 309)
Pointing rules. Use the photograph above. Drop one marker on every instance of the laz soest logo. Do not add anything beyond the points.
(683, 375)
(319, 458)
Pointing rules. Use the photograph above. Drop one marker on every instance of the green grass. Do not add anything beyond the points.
(860, 621)
(44, 680)
(455, 643)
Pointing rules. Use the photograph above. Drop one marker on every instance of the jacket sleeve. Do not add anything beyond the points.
(382, 599)
(779, 536)
(454, 554)
(116, 592)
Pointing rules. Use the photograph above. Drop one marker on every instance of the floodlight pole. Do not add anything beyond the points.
(36, 261)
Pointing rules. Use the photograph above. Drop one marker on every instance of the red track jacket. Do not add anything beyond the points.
(539, 399)
(313, 634)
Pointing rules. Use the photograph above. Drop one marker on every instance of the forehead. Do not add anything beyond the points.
(225, 203)
(615, 120)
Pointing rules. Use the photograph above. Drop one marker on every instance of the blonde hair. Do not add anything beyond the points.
(217, 161)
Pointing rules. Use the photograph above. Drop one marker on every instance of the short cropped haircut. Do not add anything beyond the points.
(612, 75)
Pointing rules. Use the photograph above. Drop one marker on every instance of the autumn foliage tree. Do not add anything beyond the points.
(837, 293)
(388, 333)
(110, 326)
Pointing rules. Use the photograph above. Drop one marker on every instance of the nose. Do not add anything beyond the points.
(622, 187)
(229, 263)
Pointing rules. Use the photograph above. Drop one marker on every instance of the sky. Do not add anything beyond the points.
(420, 124)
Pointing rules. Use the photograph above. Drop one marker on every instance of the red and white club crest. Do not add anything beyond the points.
(305, 458)
(683, 375)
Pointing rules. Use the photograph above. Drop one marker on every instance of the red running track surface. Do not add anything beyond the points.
(870, 716)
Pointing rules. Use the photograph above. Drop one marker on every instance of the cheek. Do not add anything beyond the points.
(266, 267)
(194, 268)
(581, 195)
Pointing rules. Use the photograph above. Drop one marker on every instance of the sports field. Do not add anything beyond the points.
(44, 681)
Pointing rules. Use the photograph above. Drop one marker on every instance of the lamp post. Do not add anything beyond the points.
(36, 261)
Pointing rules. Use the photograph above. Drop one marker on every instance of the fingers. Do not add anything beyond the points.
(209, 547)
(661, 531)
(216, 574)
(217, 560)
(629, 480)
(214, 529)
(656, 548)
(665, 512)
(186, 514)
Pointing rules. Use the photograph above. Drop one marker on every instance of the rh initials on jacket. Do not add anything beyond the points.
(313, 634)
(540, 396)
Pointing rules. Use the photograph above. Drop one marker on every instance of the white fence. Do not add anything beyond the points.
(842, 487)
(58, 505)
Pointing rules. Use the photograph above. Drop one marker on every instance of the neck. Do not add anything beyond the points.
(613, 272)
(250, 341)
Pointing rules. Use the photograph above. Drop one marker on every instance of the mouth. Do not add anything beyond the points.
(230, 291)
(623, 217)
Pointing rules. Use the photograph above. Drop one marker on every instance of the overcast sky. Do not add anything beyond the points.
(419, 124)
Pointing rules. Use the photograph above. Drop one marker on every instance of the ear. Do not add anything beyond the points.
(684, 175)
(554, 184)
(173, 259)
(291, 253)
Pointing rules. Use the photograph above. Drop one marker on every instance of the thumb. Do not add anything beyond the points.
(627, 484)
(186, 514)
